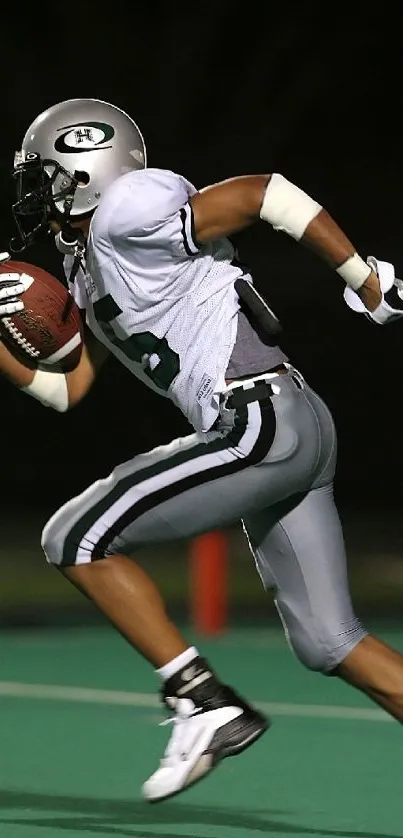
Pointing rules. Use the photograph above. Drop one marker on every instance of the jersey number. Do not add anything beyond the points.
(137, 346)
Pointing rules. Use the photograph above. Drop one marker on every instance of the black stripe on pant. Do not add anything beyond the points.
(257, 454)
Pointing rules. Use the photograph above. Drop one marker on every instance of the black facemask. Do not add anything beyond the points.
(35, 206)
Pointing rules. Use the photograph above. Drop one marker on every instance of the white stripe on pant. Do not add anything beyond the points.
(285, 501)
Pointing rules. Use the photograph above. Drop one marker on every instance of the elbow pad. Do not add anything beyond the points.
(287, 208)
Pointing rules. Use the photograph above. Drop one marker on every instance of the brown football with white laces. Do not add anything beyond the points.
(49, 330)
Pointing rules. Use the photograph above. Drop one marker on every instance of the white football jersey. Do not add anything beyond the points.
(165, 306)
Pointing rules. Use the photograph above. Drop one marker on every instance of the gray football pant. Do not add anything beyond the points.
(270, 463)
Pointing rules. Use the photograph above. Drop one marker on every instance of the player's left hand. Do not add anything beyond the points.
(10, 289)
(391, 306)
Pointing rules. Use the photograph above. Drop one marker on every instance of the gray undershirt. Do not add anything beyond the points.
(253, 352)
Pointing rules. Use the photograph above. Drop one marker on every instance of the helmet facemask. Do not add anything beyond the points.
(45, 193)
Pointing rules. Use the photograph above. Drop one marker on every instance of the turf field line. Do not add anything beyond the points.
(89, 695)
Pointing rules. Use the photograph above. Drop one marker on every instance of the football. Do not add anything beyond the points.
(49, 329)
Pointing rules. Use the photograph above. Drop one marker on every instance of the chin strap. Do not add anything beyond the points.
(71, 242)
(68, 239)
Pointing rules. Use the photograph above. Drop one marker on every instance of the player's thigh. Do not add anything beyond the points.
(299, 551)
(106, 519)
(175, 492)
(169, 506)
(197, 484)
(105, 494)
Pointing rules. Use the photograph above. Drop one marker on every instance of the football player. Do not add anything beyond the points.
(149, 262)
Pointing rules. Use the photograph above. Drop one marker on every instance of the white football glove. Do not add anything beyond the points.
(10, 289)
(391, 306)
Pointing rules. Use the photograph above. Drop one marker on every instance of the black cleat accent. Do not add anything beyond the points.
(208, 693)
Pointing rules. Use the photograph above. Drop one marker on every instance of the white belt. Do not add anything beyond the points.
(247, 383)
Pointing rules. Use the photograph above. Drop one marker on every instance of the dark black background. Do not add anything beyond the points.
(219, 90)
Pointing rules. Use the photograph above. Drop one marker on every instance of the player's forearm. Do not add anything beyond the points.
(80, 380)
(325, 238)
(64, 391)
(52, 387)
(11, 368)
(232, 205)
(290, 209)
(49, 388)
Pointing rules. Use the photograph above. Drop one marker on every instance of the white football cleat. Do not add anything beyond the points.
(212, 723)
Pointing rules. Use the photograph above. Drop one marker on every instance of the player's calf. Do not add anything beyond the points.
(210, 722)
(376, 669)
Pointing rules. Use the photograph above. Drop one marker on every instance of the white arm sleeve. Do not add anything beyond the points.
(49, 388)
(286, 207)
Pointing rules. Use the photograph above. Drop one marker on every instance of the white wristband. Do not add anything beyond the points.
(354, 271)
(286, 207)
(50, 388)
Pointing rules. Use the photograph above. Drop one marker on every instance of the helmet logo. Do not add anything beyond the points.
(84, 136)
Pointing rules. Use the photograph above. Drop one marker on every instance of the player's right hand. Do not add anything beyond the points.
(10, 289)
(390, 307)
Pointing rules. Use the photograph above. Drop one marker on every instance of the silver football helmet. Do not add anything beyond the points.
(69, 155)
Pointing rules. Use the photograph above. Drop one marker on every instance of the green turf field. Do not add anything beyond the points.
(79, 733)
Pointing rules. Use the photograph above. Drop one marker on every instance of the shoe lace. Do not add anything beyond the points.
(184, 710)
